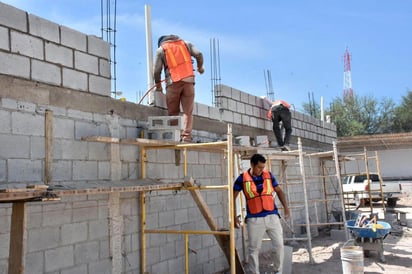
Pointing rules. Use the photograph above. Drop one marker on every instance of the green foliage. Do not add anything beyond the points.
(311, 110)
(403, 115)
(362, 115)
(354, 115)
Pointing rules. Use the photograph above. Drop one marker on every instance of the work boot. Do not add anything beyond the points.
(186, 140)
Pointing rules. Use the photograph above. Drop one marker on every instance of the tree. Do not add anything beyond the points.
(355, 115)
(403, 115)
(312, 109)
(344, 114)
(377, 117)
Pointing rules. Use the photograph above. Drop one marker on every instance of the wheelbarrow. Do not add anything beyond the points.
(370, 239)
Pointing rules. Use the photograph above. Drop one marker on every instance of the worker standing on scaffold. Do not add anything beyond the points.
(280, 112)
(174, 55)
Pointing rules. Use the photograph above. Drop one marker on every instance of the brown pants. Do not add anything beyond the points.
(184, 93)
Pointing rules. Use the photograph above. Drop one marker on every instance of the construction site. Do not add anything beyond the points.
(92, 184)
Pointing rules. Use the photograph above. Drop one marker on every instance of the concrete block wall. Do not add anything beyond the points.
(57, 232)
(73, 235)
(247, 109)
(36, 49)
(240, 108)
(22, 144)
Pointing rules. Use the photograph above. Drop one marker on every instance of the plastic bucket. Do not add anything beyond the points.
(352, 259)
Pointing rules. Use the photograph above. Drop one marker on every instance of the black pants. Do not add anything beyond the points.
(282, 114)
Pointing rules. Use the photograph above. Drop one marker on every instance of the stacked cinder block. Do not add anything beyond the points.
(165, 127)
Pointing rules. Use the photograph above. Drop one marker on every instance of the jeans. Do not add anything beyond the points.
(182, 93)
(282, 114)
(256, 228)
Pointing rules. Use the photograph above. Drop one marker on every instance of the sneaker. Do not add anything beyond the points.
(286, 148)
(186, 141)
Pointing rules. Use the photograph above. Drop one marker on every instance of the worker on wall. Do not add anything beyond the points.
(174, 55)
(259, 185)
(280, 112)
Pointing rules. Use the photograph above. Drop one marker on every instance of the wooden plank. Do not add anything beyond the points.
(88, 188)
(153, 144)
(17, 238)
(48, 147)
(43, 187)
(10, 190)
(20, 195)
(102, 139)
(223, 240)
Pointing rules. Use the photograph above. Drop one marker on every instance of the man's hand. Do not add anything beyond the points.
(286, 212)
(238, 221)
(159, 87)
(201, 70)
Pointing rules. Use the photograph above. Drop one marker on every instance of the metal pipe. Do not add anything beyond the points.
(149, 51)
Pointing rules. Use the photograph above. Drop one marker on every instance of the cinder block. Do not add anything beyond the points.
(159, 99)
(202, 110)
(214, 113)
(27, 45)
(227, 116)
(13, 17)
(73, 38)
(242, 141)
(58, 54)
(13, 64)
(262, 141)
(98, 46)
(104, 68)
(169, 135)
(237, 118)
(4, 38)
(338, 235)
(45, 72)
(165, 122)
(74, 79)
(44, 28)
(99, 85)
(86, 62)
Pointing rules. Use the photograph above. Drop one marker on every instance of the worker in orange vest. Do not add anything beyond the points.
(175, 56)
(259, 186)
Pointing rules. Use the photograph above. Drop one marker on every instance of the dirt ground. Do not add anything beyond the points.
(327, 258)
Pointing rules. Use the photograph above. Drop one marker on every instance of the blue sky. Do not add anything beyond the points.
(300, 42)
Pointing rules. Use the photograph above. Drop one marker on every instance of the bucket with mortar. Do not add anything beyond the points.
(352, 258)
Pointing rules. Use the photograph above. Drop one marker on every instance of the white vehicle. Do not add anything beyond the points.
(356, 187)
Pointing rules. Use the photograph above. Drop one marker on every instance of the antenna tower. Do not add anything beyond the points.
(108, 28)
(347, 77)
(269, 87)
(215, 73)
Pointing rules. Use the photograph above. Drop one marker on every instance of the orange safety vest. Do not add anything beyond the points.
(258, 202)
(178, 60)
